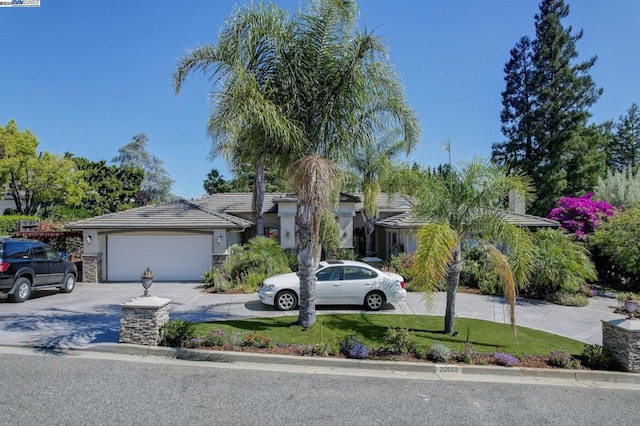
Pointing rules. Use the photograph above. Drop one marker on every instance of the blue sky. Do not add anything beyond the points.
(85, 76)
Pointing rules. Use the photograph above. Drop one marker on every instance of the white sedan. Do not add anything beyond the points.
(340, 282)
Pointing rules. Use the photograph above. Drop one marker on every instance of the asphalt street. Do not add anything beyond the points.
(57, 388)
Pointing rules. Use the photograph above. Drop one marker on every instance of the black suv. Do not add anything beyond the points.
(31, 264)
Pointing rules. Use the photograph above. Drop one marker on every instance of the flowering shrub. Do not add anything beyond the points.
(358, 351)
(562, 359)
(439, 352)
(216, 337)
(256, 341)
(400, 264)
(505, 360)
(580, 215)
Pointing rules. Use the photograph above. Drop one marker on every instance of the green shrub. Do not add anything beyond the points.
(176, 333)
(439, 352)
(398, 340)
(562, 359)
(217, 279)
(561, 263)
(568, 299)
(401, 264)
(247, 266)
(466, 355)
(215, 337)
(9, 224)
(345, 254)
(250, 281)
(596, 357)
(477, 271)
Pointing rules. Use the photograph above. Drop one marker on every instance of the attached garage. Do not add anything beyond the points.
(174, 257)
(178, 241)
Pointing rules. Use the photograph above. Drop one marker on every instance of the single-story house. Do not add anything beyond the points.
(181, 239)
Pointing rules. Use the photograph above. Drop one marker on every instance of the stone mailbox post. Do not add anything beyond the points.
(622, 338)
(143, 317)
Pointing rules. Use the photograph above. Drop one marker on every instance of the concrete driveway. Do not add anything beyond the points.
(91, 314)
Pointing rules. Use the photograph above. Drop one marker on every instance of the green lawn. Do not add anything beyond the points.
(485, 336)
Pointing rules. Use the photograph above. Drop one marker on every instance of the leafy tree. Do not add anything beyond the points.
(468, 206)
(580, 215)
(620, 189)
(624, 151)
(156, 185)
(305, 92)
(35, 181)
(545, 111)
(618, 238)
(368, 166)
(111, 188)
(215, 183)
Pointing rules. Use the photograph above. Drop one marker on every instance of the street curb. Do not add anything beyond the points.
(398, 366)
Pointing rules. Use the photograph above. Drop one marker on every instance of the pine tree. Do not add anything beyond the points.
(624, 151)
(545, 111)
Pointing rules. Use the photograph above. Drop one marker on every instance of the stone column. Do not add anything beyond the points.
(142, 318)
(92, 268)
(622, 338)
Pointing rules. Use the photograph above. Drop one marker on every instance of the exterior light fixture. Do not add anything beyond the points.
(146, 279)
(88, 239)
(219, 239)
(288, 235)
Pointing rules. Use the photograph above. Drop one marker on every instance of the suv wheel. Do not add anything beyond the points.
(22, 290)
(69, 284)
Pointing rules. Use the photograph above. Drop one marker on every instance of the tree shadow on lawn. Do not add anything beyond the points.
(63, 329)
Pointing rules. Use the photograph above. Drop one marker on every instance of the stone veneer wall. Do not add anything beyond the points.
(92, 268)
(622, 338)
(218, 259)
(141, 325)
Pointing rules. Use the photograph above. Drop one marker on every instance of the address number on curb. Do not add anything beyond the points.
(448, 369)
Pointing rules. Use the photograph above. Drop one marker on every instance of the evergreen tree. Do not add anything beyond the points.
(624, 151)
(545, 111)
(156, 185)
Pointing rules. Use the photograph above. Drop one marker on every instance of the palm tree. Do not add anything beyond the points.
(246, 123)
(369, 164)
(303, 92)
(466, 205)
(344, 94)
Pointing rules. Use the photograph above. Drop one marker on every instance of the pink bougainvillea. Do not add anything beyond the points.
(580, 215)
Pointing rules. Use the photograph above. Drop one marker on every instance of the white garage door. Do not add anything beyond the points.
(178, 257)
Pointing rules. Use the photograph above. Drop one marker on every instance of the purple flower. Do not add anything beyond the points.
(358, 351)
(580, 215)
(505, 359)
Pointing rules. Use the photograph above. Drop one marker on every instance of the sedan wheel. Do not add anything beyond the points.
(69, 284)
(286, 301)
(22, 292)
(374, 301)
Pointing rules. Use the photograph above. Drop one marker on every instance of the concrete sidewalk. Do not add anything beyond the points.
(91, 314)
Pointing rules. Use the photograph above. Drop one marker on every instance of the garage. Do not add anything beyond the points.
(174, 257)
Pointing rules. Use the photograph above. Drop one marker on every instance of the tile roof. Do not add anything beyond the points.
(181, 214)
(409, 220)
